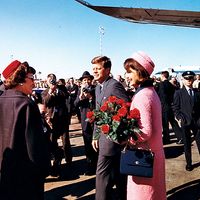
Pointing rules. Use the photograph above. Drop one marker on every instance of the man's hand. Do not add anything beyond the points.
(52, 88)
(95, 145)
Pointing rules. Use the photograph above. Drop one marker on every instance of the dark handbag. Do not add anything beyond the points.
(137, 162)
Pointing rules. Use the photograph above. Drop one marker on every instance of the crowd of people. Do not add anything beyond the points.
(33, 120)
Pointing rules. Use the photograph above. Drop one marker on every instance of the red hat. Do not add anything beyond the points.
(9, 70)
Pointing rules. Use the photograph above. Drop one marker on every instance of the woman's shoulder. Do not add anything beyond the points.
(17, 96)
(146, 95)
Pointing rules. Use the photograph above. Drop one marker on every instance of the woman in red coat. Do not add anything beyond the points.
(24, 156)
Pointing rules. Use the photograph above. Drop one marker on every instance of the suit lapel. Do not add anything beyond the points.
(188, 97)
(101, 94)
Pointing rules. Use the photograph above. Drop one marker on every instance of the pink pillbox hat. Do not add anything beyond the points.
(144, 60)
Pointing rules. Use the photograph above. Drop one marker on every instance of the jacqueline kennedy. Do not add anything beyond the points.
(139, 68)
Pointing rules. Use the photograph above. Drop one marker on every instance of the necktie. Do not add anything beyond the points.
(100, 88)
(191, 95)
(190, 92)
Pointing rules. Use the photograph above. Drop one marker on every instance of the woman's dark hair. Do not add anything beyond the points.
(19, 75)
(133, 64)
(103, 60)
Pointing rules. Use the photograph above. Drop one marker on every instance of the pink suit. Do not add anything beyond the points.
(139, 188)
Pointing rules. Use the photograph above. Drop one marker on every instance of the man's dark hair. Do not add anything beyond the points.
(165, 74)
(103, 60)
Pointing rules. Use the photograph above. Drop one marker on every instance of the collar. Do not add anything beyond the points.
(187, 88)
(101, 84)
(145, 84)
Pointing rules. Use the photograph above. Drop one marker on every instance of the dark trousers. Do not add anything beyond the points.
(74, 110)
(108, 175)
(187, 139)
(168, 117)
(66, 145)
(91, 154)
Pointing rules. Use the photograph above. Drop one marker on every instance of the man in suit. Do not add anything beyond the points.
(107, 173)
(85, 100)
(54, 98)
(187, 110)
(72, 88)
(166, 93)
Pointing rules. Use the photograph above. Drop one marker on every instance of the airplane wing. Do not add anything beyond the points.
(150, 16)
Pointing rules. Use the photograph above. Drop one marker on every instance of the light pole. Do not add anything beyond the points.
(101, 33)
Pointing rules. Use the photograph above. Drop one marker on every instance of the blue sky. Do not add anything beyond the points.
(62, 36)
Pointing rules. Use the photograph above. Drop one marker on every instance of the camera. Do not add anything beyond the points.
(86, 89)
(53, 82)
(89, 89)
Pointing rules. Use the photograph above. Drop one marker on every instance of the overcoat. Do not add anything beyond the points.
(24, 156)
(187, 111)
(184, 108)
(57, 109)
(86, 105)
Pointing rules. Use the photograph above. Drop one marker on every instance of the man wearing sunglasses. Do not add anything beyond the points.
(187, 110)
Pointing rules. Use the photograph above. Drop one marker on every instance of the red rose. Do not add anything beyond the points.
(122, 112)
(105, 128)
(116, 118)
(135, 113)
(90, 114)
(120, 101)
(104, 107)
(128, 104)
(112, 99)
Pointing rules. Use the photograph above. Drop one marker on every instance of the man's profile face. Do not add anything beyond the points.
(86, 81)
(188, 81)
(100, 73)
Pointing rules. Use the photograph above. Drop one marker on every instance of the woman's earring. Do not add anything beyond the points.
(21, 84)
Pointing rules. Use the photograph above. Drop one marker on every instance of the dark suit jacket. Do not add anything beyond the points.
(186, 109)
(57, 109)
(166, 92)
(111, 87)
(73, 90)
(85, 105)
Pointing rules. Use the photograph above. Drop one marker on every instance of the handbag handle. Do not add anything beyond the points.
(129, 145)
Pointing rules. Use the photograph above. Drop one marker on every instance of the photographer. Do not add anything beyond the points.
(86, 102)
(54, 98)
(73, 88)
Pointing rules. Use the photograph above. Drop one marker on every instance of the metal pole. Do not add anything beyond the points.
(101, 33)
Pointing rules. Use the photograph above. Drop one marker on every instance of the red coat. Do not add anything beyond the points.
(24, 156)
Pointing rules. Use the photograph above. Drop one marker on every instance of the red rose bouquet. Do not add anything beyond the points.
(115, 119)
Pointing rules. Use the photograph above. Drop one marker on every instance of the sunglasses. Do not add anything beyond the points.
(189, 78)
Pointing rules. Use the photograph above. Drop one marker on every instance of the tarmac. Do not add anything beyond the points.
(73, 184)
